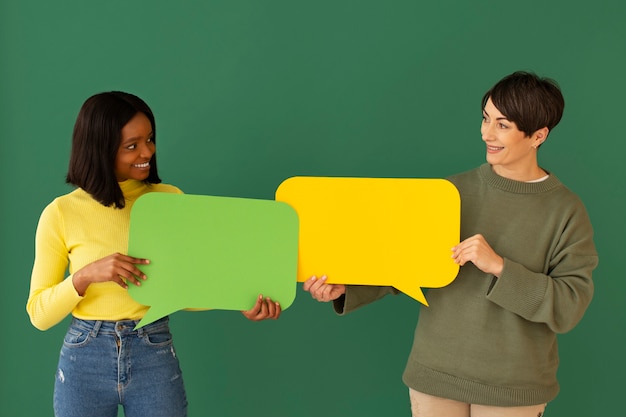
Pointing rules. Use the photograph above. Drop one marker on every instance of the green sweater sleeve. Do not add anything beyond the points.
(357, 296)
(559, 297)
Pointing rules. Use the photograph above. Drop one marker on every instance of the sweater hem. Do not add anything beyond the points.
(440, 384)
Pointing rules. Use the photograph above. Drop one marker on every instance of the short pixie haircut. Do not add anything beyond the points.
(529, 101)
(96, 141)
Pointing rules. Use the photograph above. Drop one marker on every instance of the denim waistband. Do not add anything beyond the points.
(121, 328)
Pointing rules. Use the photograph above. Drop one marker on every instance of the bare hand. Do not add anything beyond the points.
(322, 291)
(264, 308)
(117, 268)
(476, 250)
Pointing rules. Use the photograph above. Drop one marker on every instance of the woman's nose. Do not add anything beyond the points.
(486, 131)
(147, 150)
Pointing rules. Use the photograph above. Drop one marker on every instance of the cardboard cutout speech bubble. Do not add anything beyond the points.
(212, 252)
(376, 231)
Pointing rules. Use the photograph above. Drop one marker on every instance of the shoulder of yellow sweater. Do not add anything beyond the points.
(166, 188)
(75, 200)
(81, 196)
(133, 188)
(72, 197)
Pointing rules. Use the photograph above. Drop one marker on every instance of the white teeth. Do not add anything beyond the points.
(494, 148)
(144, 165)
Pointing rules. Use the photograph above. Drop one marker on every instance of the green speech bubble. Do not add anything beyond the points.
(212, 252)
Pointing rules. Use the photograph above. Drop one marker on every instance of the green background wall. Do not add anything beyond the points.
(250, 92)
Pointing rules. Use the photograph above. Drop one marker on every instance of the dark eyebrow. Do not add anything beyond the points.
(497, 118)
(136, 138)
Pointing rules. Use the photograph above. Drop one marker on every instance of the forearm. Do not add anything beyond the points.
(48, 306)
(559, 300)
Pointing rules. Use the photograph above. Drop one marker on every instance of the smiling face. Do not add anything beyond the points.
(511, 153)
(136, 149)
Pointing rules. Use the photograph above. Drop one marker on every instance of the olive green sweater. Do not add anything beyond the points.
(493, 341)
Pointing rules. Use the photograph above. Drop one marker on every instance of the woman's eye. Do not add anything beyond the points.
(131, 147)
(502, 126)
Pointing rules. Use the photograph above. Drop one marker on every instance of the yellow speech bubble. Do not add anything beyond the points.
(376, 231)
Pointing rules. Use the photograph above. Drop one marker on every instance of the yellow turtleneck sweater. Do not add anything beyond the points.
(75, 230)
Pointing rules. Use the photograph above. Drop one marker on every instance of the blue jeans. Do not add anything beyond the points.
(104, 364)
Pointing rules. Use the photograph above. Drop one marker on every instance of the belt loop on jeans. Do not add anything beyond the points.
(149, 328)
(141, 330)
(96, 328)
